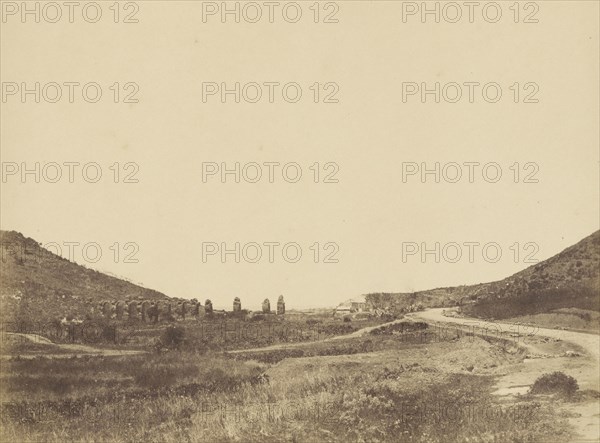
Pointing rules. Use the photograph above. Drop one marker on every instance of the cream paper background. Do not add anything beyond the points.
(369, 134)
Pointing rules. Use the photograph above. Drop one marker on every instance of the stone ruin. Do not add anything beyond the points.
(208, 307)
(153, 312)
(132, 310)
(120, 310)
(237, 305)
(266, 306)
(156, 310)
(148, 311)
(145, 306)
(183, 309)
(106, 309)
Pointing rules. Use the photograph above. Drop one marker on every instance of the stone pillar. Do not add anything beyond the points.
(133, 310)
(280, 306)
(120, 309)
(154, 312)
(158, 311)
(208, 308)
(184, 309)
(266, 306)
(106, 309)
(145, 305)
(237, 305)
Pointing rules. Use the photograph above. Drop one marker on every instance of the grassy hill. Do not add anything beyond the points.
(570, 279)
(38, 285)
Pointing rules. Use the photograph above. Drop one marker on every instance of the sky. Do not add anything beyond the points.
(363, 221)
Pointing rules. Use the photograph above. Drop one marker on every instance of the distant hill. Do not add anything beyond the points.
(38, 285)
(570, 279)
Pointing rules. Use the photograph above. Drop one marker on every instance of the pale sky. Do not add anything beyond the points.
(370, 213)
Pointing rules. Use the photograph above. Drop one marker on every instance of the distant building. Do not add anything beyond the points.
(358, 304)
(353, 306)
(341, 310)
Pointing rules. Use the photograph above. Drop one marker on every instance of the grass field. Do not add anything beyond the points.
(391, 385)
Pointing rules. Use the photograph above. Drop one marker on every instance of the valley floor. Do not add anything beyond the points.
(387, 383)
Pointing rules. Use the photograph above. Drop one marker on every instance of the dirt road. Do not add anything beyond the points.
(585, 369)
(590, 342)
(358, 333)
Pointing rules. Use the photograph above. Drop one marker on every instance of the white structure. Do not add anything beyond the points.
(352, 306)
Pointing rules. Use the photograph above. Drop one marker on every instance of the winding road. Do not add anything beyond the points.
(585, 416)
(589, 342)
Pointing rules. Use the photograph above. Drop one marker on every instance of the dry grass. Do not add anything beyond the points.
(401, 393)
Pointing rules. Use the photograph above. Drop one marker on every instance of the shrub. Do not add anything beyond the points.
(336, 329)
(173, 336)
(555, 383)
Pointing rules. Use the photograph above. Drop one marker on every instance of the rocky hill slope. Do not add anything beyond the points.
(38, 285)
(570, 279)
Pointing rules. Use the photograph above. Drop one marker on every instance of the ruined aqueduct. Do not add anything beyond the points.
(153, 311)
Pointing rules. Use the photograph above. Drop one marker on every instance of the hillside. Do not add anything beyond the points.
(570, 279)
(38, 285)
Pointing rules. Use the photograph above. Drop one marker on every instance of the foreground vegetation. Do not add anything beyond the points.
(392, 385)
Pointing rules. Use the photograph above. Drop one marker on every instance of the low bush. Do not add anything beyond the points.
(555, 383)
(173, 337)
